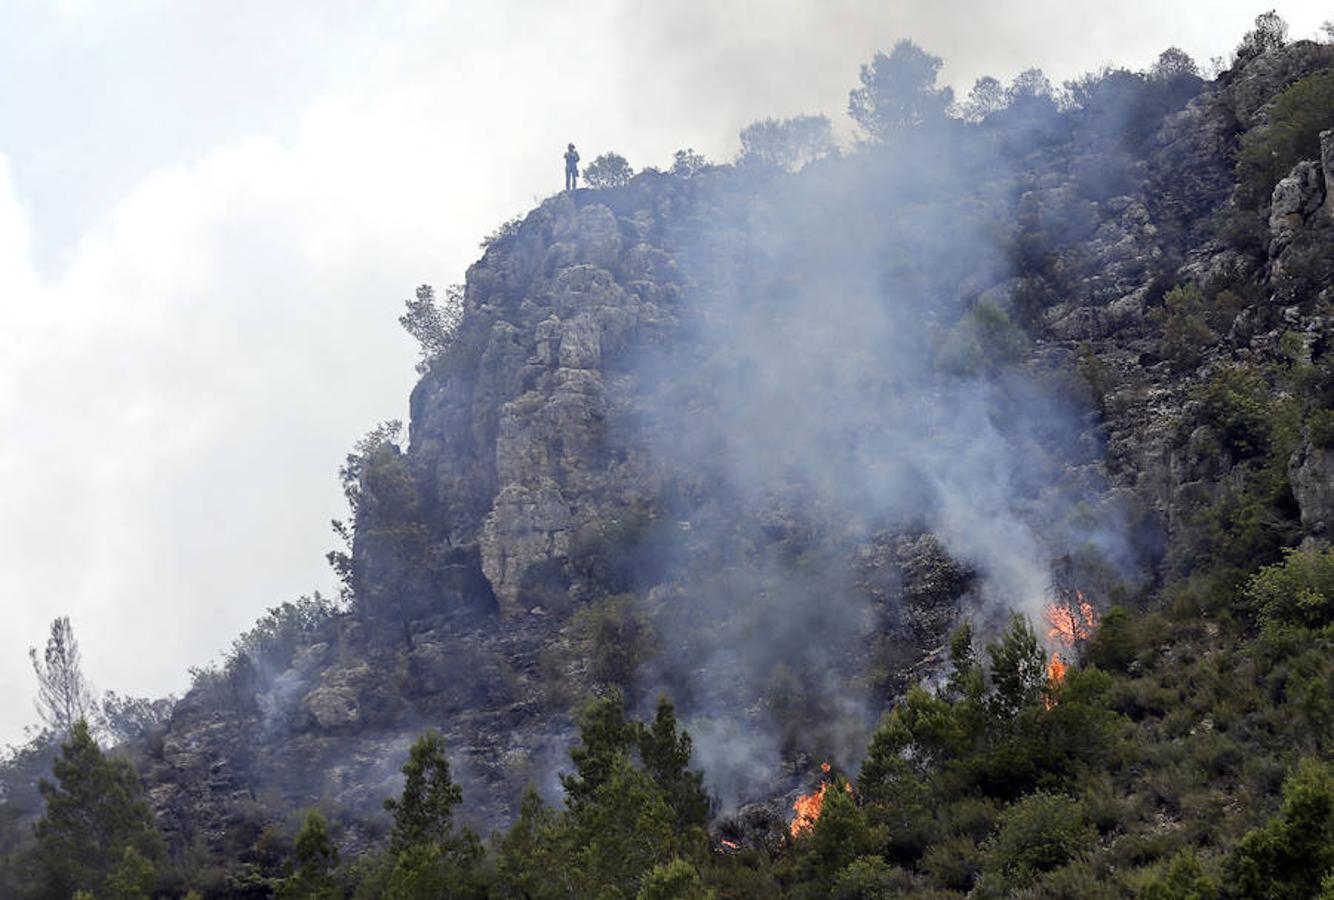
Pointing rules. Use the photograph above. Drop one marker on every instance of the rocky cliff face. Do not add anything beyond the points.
(627, 469)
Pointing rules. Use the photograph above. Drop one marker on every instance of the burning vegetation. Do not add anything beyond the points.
(1072, 622)
(807, 807)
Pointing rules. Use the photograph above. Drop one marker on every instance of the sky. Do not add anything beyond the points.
(211, 213)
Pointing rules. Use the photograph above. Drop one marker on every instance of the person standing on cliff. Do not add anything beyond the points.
(571, 167)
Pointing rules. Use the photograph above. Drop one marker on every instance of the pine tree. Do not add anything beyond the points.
(430, 859)
(63, 694)
(604, 735)
(95, 812)
(666, 757)
(314, 858)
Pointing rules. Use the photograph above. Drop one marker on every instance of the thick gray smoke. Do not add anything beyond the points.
(849, 369)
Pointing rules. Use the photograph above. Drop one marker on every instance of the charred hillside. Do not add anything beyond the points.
(760, 440)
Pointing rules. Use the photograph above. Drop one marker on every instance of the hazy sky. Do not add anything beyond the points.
(211, 212)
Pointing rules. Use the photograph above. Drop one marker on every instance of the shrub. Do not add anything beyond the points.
(618, 637)
(787, 143)
(899, 91)
(985, 340)
(1288, 856)
(1186, 334)
(1040, 833)
(1236, 404)
(608, 171)
(1297, 591)
(1268, 153)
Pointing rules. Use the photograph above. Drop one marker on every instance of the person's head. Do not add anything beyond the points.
(571, 146)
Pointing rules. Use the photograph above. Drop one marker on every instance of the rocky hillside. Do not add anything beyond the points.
(759, 440)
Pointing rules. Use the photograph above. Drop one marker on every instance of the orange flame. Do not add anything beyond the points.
(730, 845)
(1055, 675)
(808, 806)
(1070, 624)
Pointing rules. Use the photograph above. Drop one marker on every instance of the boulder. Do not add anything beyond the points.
(1296, 197)
(1311, 471)
(1327, 165)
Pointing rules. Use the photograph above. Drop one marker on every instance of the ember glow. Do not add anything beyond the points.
(807, 807)
(1071, 623)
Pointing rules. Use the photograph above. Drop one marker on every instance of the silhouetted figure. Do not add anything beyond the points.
(571, 168)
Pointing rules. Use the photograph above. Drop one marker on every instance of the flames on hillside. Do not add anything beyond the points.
(1072, 621)
(807, 807)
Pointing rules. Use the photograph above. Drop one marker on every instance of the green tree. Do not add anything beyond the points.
(1298, 591)
(622, 830)
(430, 858)
(688, 163)
(133, 879)
(676, 880)
(95, 811)
(534, 858)
(665, 753)
(1018, 668)
(787, 143)
(1270, 33)
(1183, 879)
(433, 322)
(604, 736)
(314, 859)
(1297, 117)
(987, 96)
(1286, 858)
(899, 91)
(608, 171)
(1113, 647)
(1039, 833)
(63, 694)
(1186, 333)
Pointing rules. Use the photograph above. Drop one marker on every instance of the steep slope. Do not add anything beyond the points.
(758, 440)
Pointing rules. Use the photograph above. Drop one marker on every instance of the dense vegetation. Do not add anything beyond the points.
(1184, 752)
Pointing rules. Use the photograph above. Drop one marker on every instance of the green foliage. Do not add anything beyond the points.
(1270, 33)
(1236, 404)
(1018, 667)
(133, 879)
(1269, 152)
(531, 851)
(95, 812)
(985, 340)
(609, 170)
(1186, 333)
(63, 694)
(1298, 591)
(899, 91)
(618, 638)
(665, 753)
(427, 857)
(1114, 645)
(433, 322)
(787, 143)
(1182, 879)
(1097, 374)
(687, 163)
(424, 812)
(604, 735)
(634, 813)
(314, 859)
(676, 880)
(503, 232)
(1040, 833)
(1290, 855)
